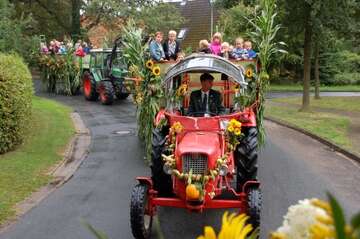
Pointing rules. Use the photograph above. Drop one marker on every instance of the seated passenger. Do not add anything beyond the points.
(156, 49)
(239, 50)
(204, 47)
(215, 45)
(171, 46)
(205, 102)
(250, 53)
(225, 50)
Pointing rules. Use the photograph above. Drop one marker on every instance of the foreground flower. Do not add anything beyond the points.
(233, 227)
(177, 127)
(249, 73)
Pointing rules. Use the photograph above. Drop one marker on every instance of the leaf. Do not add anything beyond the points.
(355, 221)
(98, 234)
(338, 216)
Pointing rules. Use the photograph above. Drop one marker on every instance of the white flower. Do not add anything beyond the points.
(299, 219)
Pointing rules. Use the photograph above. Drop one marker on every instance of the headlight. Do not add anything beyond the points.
(167, 169)
(224, 124)
(223, 170)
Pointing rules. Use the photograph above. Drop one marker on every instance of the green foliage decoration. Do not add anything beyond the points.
(16, 91)
(264, 35)
(60, 73)
(146, 89)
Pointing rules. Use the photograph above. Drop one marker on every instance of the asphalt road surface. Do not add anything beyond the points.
(292, 167)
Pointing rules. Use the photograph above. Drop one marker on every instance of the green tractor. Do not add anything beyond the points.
(103, 76)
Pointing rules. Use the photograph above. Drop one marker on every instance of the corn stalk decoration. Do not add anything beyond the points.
(60, 73)
(146, 89)
(263, 35)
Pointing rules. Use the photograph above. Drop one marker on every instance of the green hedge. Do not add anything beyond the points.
(15, 101)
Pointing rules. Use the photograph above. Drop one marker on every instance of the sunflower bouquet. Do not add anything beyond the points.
(233, 133)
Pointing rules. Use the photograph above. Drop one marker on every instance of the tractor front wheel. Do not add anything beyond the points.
(254, 206)
(162, 181)
(246, 157)
(140, 219)
(89, 87)
(106, 92)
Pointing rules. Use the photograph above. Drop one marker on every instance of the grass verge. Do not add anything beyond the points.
(24, 170)
(330, 126)
(351, 104)
(341, 88)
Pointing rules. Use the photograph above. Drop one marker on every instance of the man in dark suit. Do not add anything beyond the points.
(205, 101)
(171, 47)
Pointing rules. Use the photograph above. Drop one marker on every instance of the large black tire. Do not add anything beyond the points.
(246, 155)
(254, 206)
(140, 222)
(89, 87)
(122, 96)
(106, 92)
(162, 181)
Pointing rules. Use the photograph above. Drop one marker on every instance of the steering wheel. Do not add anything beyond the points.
(201, 114)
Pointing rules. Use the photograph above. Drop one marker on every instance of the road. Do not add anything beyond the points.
(292, 167)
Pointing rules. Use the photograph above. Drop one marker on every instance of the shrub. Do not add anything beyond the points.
(347, 78)
(15, 100)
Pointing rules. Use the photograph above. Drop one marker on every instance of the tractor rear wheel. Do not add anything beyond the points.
(122, 96)
(89, 87)
(254, 206)
(162, 181)
(106, 92)
(140, 221)
(246, 157)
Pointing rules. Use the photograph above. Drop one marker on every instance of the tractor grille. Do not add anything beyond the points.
(196, 162)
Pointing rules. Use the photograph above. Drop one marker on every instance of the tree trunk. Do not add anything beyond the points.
(307, 59)
(75, 19)
(317, 72)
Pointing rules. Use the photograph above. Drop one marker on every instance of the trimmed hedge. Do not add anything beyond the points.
(16, 92)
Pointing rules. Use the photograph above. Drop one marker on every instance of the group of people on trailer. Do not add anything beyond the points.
(170, 48)
(205, 101)
(55, 47)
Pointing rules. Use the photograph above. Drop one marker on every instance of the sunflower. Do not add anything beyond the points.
(182, 90)
(249, 72)
(230, 128)
(233, 227)
(237, 131)
(156, 70)
(177, 127)
(149, 64)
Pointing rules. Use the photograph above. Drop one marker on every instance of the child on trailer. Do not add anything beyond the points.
(225, 50)
(250, 53)
(204, 47)
(215, 45)
(239, 50)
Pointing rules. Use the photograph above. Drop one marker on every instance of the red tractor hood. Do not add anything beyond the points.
(200, 142)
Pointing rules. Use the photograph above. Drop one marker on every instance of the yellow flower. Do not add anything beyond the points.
(209, 233)
(230, 128)
(149, 64)
(156, 70)
(249, 72)
(277, 235)
(321, 231)
(177, 127)
(322, 204)
(233, 227)
(237, 131)
(182, 90)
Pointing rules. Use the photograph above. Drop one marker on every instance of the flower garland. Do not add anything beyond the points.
(197, 182)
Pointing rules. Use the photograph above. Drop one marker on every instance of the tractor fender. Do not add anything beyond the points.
(145, 180)
(250, 184)
(96, 75)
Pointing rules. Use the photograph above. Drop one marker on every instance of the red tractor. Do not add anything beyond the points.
(197, 159)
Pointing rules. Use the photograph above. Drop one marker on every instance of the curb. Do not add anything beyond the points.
(75, 153)
(328, 143)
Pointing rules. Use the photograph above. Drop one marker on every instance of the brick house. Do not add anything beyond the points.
(198, 21)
